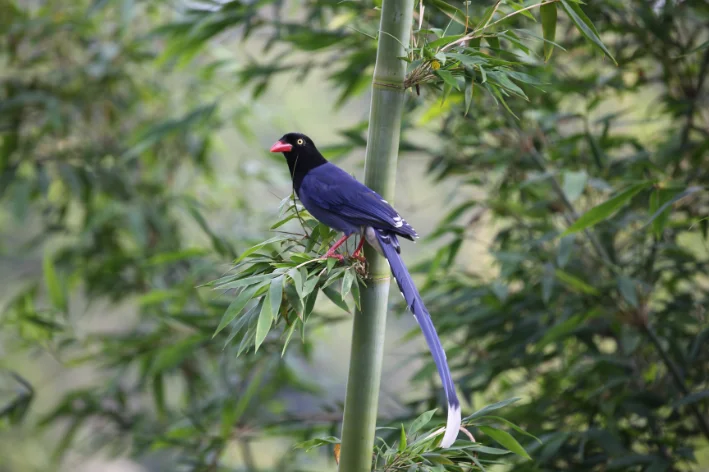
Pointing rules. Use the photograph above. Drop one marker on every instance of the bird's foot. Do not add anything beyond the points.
(333, 255)
(359, 256)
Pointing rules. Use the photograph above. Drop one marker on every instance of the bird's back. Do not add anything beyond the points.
(330, 193)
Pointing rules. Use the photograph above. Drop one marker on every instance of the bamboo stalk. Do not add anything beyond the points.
(361, 401)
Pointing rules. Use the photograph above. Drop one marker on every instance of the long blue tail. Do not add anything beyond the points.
(389, 248)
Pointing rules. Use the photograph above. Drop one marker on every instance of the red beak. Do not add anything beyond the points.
(280, 146)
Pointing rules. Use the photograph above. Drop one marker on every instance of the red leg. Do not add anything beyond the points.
(331, 252)
(357, 254)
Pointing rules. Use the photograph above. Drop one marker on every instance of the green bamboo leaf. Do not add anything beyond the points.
(549, 16)
(437, 459)
(493, 42)
(584, 24)
(465, 59)
(566, 246)
(447, 78)
(547, 282)
(265, 320)
(238, 305)
(347, 283)
(606, 209)
(521, 9)
(255, 248)
(297, 279)
(488, 450)
(443, 41)
(317, 442)
(275, 295)
(245, 282)
(513, 426)
(468, 94)
(291, 329)
(660, 209)
(575, 283)
(402, 440)
(574, 184)
(242, 323)
(487, 16)
(421, 421)
(626, 287)
(506, 440)
(691, 398)
(336, 298)
(355, 293)
(563, 329)
(54, 286)
(450, 11)
(495, 406)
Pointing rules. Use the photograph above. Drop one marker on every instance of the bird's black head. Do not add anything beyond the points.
(301, 155)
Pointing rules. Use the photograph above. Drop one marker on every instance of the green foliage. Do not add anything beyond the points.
(281, 278)
(413, 451)
(591, 205)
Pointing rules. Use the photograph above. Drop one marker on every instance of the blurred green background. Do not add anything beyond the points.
(134, 168)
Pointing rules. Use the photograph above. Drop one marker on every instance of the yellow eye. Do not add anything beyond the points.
(300, 142)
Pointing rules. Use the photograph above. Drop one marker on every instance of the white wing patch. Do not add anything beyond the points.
(398, 222)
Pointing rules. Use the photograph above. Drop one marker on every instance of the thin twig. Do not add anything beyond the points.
(474, 33)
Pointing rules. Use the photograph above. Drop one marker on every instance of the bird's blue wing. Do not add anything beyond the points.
(332, 189)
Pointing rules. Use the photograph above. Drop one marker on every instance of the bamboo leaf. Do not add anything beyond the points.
(468, 94)
(549, 16)
(513, 426)
(263, 325)
(421, 421)
(275, 295)
(297, 279)
(606, 209)
(54, 286)
(506, 440)
(574, 184)
(626, 287)
(451, 11)
(402, 440)
(584, 24)
(575, 283)
(659, 211)
(495, 406)
(255, 248)
(238, 305)
(447, 78)
(487, 16)
(291, 329)
(336, 298)
(347, 283)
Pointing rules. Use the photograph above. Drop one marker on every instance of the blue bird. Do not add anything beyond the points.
(338, 200)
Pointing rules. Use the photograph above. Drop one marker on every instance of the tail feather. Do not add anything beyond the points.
(388, 245)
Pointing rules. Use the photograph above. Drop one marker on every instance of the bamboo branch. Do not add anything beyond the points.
(385, 114)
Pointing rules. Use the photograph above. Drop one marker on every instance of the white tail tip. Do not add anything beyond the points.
(452, 426)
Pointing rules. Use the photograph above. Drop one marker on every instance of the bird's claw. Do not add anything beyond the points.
(339, 257)
(359, 256)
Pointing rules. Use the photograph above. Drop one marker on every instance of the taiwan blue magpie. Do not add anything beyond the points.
(338, 200)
